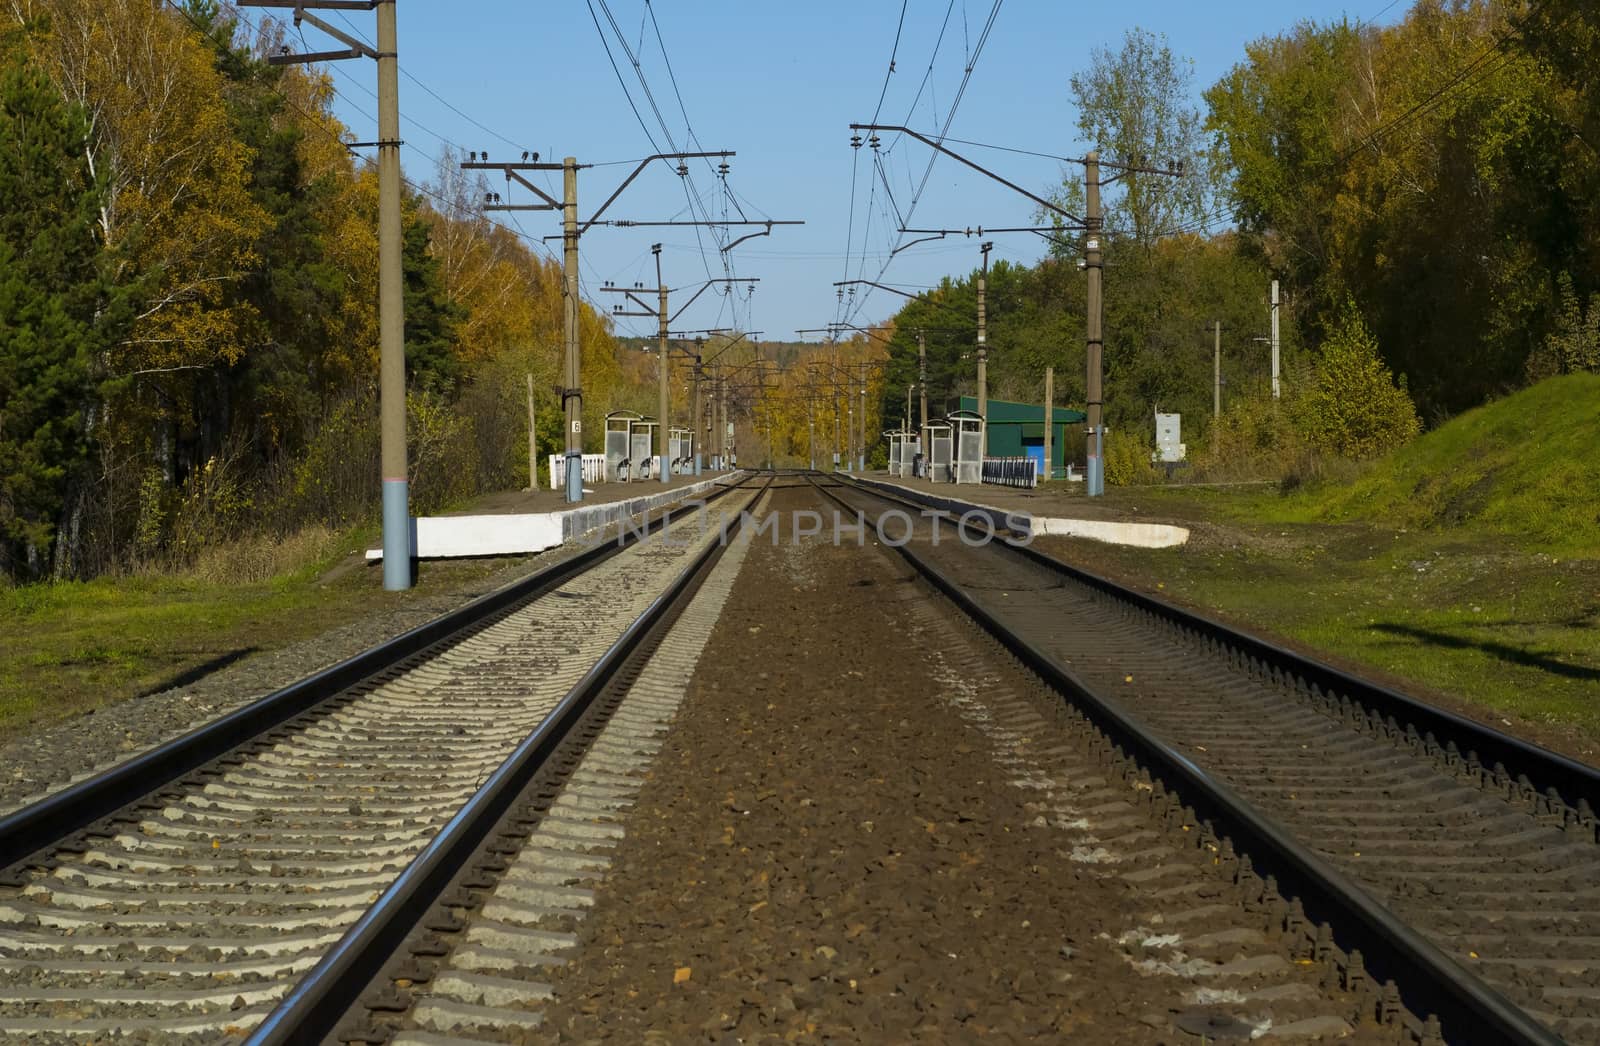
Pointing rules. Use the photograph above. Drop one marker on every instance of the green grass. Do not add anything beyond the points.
(80, 645)
(1466, 565)
(1525, 467)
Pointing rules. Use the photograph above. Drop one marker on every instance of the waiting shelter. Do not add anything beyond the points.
(680, 450)
(641, 438)
(968, 430)
(1017, 430)
(619, 435)
(940, 443)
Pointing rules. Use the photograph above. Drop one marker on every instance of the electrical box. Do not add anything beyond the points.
(1169, 449)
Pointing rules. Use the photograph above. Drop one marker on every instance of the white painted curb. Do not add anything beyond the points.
(512, 534)
(1136, 535)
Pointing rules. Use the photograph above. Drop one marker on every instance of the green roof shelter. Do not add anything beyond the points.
(1017, 430)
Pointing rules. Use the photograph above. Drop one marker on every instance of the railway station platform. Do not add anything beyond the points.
(517, 522)
(1054, 511)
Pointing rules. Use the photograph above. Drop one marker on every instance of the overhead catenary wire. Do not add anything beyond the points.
(315, 120)
(974, 53)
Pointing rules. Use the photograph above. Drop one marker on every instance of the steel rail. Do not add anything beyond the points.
(1575, 782)
(319, 1001)
(1430, 981)
(82, 807)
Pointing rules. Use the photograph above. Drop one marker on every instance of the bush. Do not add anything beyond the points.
(1355, 409)
(1128, 459)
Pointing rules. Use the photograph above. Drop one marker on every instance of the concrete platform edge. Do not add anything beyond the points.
(451, 537)
(1137, 535)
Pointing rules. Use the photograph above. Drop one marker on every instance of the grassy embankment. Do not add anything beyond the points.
(1465, 564)
(80, 645)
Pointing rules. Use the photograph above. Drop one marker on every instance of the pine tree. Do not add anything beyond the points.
(50, 297)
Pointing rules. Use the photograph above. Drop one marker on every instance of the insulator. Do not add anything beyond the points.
(683, 169)
(855, 141)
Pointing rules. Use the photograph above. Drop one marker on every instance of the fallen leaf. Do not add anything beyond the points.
(680, 975)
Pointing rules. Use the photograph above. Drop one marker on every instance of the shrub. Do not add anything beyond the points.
(1128, 459)
(1355, 409)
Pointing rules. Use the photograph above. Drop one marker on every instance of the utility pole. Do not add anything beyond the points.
(1216, 376)
(1049, 420)
(922, 385)
(1091, 224)
(1274, 339)
(571, 230)
(663, 458)
(696, 444)
(983, 345)
(398, 554)
(664, 318)
(861, 462)
(533, 442)
(905, 424)
(571, 389)
(1096, 480)
(836, 434)
(811, 429)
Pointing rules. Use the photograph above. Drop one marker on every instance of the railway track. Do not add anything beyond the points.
(258, 871)
(1180, 937)
(1461, 862)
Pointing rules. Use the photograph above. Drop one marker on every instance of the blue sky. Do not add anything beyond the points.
(779, 83)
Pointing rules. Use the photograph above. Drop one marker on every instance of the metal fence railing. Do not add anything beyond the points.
(1011, 472)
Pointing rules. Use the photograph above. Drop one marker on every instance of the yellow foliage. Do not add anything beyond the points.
(178, 214)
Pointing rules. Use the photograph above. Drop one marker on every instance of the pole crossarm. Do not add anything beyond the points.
(882, 287)
(355, 48)
(646, 162)
(941, 147)
(752, 235)
(629, 223)
(513, 173)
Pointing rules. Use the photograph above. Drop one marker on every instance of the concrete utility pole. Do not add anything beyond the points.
(664, 318)
(1096, 479)
(571, 230)
(905, 424)
(571, 392)
(1216, 368)
(696, 444)
(861, 462)
(399, 569)
(397, 550)
(1049, 419)
(922, 388)
(811, 430)
(533, 442)
(663, 458)
(1274, 339)
(1092, 226)
(836, 434)
(983, 343)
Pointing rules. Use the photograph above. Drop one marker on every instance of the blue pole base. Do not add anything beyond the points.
(574, 477)
(1095, 478)
(697, 464)
(664, 467)
(397, 547)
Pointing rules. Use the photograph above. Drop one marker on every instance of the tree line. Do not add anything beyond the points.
(1427, 193)
(188, 307)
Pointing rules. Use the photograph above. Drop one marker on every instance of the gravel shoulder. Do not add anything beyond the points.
(47, 758)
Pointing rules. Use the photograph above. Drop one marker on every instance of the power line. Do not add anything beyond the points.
(972, 63)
